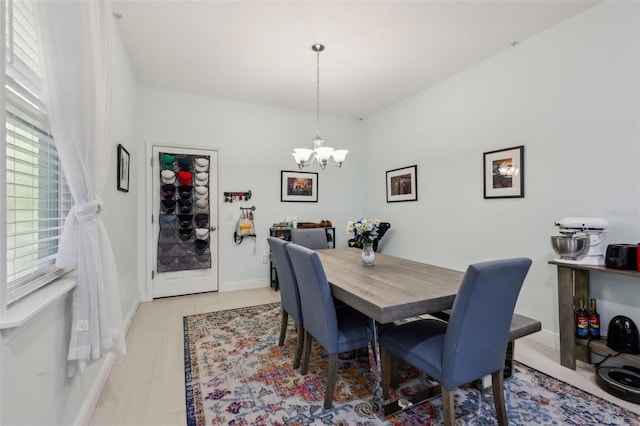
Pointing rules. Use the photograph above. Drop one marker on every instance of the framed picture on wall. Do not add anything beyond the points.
(298, 186)
(504, 173)
(123, 169)
(402, 184)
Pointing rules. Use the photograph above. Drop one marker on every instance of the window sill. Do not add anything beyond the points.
(22, 311)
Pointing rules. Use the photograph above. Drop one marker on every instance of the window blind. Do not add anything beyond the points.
(37, 199)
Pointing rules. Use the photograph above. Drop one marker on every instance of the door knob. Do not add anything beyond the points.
(213, 228)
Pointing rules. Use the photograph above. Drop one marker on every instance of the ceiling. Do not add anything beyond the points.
(376, 52)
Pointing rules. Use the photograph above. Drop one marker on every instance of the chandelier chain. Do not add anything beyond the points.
(323, 154)
(318, 93)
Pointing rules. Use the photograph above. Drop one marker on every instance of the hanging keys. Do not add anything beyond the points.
(230, 197)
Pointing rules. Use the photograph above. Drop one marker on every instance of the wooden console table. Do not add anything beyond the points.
(573, 283)
(285, 234)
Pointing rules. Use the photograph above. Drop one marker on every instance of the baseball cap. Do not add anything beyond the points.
(168, 177)
(185, 178)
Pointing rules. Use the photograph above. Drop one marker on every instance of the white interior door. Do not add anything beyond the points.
(182, 268)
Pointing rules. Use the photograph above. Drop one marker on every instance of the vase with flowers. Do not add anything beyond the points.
(365, 231)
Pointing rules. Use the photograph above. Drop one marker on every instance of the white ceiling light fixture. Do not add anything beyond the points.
(323, 154)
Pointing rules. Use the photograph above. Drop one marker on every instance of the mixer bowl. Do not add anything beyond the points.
(570, 247)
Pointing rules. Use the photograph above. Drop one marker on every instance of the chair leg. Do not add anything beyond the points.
(299, 345)
(497, 380)
(389, 365)
(448, 408)
(283, 327)
(331, 380)
(306, 353)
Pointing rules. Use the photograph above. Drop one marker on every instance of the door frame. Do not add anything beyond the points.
(150, 211)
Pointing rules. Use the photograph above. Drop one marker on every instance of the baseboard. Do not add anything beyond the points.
(244, 285)
(91, 401)
(128, 320)
(546, 338)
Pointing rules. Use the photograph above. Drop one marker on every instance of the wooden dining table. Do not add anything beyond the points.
(393, 288)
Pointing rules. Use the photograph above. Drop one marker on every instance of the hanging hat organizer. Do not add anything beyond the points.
(184, 228)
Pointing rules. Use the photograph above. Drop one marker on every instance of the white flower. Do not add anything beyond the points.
(364, 230)
(350, 227)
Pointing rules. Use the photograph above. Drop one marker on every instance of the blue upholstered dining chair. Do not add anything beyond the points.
(337, 329)
(471, 345)
(313, 238)
(289, 295)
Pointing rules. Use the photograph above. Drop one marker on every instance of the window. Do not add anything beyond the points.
(37, 199)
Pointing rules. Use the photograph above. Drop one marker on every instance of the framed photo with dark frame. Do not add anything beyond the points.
(298, 186)
(123, 169)
(402, 184)
(504, 173)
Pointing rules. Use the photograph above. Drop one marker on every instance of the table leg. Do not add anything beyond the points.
(407, 401)
(376, 353)
(508, 359)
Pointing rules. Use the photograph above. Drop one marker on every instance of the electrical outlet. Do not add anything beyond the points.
(230, 217)
(265, 259)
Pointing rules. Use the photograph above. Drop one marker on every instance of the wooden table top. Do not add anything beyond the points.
(393, 288)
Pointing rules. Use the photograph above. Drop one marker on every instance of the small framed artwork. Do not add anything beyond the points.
(298, 186)
(402, 184)
(123, 169)
(504, 173)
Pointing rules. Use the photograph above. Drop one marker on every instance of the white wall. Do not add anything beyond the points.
(254, 145)
(571, 96)
(120, 209)
(35, 389)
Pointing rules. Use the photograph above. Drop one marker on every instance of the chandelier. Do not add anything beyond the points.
(323, 154)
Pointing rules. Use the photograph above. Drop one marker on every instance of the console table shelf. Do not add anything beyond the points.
(573, 283)
(600, 347)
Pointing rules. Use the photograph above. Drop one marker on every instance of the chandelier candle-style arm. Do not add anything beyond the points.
(323, 154)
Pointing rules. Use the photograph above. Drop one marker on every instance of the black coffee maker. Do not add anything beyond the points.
(623, 335)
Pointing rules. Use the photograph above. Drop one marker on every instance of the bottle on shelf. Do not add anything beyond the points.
(582, 321)
(594, 320)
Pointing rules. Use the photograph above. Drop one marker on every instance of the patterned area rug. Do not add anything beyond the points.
(236, 374)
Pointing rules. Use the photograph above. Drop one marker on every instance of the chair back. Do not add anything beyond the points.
(313, 238)
(382, 229)
(318, 309)
(478, 331)
(289, 294)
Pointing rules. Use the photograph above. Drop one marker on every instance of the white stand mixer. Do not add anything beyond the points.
(593, 227)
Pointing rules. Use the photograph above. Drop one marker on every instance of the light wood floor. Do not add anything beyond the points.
(146, 387)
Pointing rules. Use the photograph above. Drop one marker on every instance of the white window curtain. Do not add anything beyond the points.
(76, 38)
